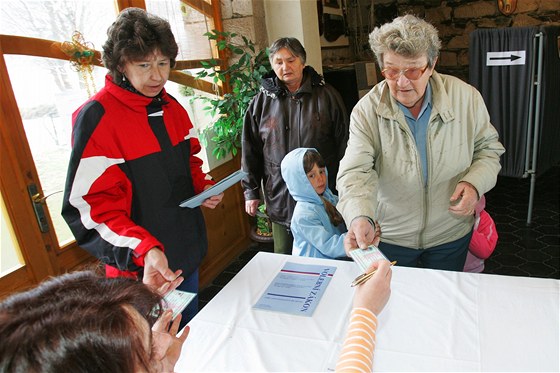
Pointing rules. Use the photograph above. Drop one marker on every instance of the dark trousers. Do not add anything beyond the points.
(449, 256)
(189, 284)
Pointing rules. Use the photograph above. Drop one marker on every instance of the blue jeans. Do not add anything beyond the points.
(449, 256)
(189, 284)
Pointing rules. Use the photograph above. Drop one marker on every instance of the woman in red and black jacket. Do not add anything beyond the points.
(133, 161)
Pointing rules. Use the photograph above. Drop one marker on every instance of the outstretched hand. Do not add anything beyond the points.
(361, 234)
(157, 273)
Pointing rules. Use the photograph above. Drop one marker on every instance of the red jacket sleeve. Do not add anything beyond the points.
(98, 196)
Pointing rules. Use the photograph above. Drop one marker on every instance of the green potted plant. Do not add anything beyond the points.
(264, 225)
(243, 76)
(261, 230)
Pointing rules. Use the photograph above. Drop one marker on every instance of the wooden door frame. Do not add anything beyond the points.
(17, 171)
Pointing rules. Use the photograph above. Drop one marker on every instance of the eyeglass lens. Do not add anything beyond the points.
(411, 74)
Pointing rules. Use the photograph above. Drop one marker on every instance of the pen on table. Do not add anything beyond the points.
(366, 276)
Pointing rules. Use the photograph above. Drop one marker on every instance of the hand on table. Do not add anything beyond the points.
(157, 273)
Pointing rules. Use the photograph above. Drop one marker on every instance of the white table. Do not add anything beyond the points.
(434, 321)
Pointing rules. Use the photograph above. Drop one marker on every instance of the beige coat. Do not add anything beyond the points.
(380, 175)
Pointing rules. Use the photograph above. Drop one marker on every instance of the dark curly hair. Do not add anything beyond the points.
(134, 35)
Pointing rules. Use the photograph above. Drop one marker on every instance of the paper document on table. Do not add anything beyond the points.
(365, 257)
(297, 289)
(216, 189)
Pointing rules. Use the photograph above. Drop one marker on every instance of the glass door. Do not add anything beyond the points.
(40, 90)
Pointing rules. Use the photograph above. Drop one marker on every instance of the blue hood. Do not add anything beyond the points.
(298, 184)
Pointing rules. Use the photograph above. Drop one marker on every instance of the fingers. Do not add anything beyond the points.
(184, 334)
(174, 329)
(171, 285)
(365, 237)
(464, 207)
(373, 266)
(161, 324)
(384, 267)
(377, 237)
(166, 272)
(251, 206)
(213, 201)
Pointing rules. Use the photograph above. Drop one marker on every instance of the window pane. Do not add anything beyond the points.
(188, 26)
(10, 256)
(58, 19)
(47, 91)
(199, 117)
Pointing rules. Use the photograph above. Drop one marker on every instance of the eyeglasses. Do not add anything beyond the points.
(410, 74)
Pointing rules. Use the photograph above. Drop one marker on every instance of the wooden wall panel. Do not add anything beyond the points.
(227, 226)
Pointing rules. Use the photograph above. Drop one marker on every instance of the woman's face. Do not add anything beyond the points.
(288, 68)
(318, 179)
(148, 75)
(409, 92)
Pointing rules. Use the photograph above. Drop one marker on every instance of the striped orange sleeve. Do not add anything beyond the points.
(357, 352)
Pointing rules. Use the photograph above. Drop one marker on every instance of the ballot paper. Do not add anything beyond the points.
(177, 300)
(364, 258)
(216, 189)
(296, 289)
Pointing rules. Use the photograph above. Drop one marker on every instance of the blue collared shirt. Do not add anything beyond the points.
(419, 128)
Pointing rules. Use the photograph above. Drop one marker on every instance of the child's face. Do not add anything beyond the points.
(318, 179)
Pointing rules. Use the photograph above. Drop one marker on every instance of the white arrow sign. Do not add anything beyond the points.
(505, 58)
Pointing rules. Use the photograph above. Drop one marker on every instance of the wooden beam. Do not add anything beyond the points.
(51, 49)
(121, 4)
(192, 64)
(200, 6)
(190, 81)
(38, 48)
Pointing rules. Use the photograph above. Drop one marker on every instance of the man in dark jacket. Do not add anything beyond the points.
(294, 108)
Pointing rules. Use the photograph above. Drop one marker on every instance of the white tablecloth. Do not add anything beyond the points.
(434, 321)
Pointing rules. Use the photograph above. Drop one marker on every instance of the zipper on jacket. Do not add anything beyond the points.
(426, 186)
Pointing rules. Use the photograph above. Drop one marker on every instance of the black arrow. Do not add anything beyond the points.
(513, 57)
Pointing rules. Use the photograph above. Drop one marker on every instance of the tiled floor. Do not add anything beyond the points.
(522, 250)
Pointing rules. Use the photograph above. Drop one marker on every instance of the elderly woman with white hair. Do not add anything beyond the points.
(421, 152)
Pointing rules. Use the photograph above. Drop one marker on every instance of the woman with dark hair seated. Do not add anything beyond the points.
(82, 322)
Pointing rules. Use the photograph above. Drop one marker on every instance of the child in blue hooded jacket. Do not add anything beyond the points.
(317, 227)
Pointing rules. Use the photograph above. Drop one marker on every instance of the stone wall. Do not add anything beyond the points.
(456, 19)
(247, 18)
